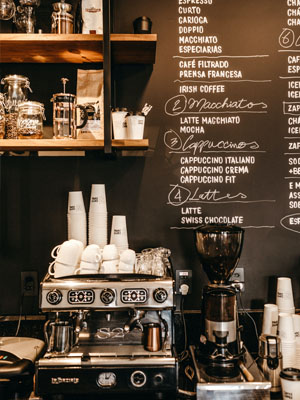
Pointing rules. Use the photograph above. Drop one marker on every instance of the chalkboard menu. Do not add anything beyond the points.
(226, 94)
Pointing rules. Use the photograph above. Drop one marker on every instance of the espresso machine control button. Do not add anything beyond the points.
(107, 296)
(138, 379)
(107, 380)
(54, 297)
(158, 379)
(160, 295)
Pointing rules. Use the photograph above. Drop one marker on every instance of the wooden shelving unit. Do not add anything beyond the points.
(79, 49)
(76, 48)
(68, 144)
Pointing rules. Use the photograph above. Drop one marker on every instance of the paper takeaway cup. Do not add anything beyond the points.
(284, 295)
(290, 383)
(296, 322)
(119, 123)
(286, 327)
(270, 319)
(98, 199)
(135, 126)
(75, 203)
(118, 235)
(77, 227)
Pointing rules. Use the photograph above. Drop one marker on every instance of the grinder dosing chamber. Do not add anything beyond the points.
(219, 248)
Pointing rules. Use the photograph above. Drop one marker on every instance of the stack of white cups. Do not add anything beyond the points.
(118, 235)
(284, 296)
(270, 319)
(296, 321)
(288, 340)
(76, 217)
(98, 216)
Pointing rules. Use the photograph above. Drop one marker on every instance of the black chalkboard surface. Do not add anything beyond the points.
(224, 131)
(224, 137)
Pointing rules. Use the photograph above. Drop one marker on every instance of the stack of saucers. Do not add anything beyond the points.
(118, 235)
(98, 216)
(76, 217)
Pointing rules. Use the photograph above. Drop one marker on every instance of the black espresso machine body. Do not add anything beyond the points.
(116, 335)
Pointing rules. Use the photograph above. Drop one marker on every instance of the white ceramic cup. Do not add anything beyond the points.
(59, 270)
(85, 271)
(270, 319)
(126, 268)
(68, 253)
(128, 257)
(92, 254)
(110, 252)
(75, 203)
(109, 267)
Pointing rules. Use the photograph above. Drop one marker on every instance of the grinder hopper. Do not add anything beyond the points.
(219, 248)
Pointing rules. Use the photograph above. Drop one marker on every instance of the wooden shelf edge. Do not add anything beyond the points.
(68, 144)
(41, 37)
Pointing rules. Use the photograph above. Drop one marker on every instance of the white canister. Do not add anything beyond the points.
(119, 123)
(135, 125)
(290, 383)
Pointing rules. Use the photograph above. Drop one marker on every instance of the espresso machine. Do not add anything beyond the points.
(108, 334)
(221, 357)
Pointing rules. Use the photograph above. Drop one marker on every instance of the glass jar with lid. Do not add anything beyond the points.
(30, 120)
(15, 91)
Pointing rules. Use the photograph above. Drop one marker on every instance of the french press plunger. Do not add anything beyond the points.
(64, 114)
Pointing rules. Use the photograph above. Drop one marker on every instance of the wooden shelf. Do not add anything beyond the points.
(69, 144)
(76, 48)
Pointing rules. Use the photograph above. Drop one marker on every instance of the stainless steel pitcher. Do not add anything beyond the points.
(58, 336)
(270, 359)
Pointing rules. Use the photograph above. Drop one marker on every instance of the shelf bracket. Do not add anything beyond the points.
(107, 75)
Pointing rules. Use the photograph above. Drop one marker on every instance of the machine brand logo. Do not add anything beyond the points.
(58, 380)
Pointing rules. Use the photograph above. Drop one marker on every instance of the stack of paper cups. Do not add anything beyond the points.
(296, 321)
(76, 217)
(118, 234)
(288, 339)
(284, 296)
(270, 319)
(98, 216)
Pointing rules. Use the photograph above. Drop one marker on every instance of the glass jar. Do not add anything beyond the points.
(2, 117)
(30, 120)
(15, 91)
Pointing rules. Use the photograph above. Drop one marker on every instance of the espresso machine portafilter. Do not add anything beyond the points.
(219, 248)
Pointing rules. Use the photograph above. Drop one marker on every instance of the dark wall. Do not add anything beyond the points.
(34, 189)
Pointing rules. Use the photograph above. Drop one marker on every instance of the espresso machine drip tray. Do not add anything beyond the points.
(248, 384)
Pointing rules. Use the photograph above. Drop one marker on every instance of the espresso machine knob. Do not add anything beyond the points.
(107, 296)
(138, 379)
(160, 295)
(54, 297)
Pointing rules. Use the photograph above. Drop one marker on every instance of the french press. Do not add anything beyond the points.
(64, 114)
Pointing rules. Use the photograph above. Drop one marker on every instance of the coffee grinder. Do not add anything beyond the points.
(219, 248)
